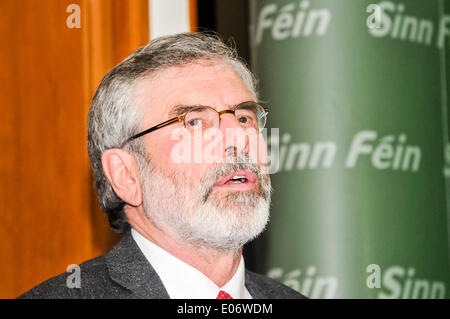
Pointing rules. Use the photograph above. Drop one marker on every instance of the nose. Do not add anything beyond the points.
(228, 119)
(236, 141)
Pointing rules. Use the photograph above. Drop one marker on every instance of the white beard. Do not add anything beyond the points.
(197, 215)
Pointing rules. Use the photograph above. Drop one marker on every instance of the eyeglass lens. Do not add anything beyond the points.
(249, 115)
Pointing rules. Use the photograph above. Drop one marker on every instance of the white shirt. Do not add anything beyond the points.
(183, 281)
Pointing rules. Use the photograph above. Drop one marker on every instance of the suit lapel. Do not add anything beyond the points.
(253, 288)
(128, 267)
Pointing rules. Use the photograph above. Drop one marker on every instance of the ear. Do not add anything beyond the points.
(121, 169)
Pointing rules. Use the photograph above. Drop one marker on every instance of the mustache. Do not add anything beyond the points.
(233, 164)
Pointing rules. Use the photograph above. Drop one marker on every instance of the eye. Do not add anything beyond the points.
(246, 118)
(243, 119)
(194, 123)
(251, 115)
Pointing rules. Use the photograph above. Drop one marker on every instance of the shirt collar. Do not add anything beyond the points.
(183, 281)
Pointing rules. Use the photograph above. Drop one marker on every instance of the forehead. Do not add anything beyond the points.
(207, 83)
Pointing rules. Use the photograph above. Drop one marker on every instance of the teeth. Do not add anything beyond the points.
(238, 179)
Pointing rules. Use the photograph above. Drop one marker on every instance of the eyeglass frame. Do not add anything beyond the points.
(181, 118)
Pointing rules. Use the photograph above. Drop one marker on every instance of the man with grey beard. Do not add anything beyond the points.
(180, 167)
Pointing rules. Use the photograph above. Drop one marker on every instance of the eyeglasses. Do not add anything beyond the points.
(249, 115)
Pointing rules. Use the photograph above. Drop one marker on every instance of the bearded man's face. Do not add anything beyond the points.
(222, 203)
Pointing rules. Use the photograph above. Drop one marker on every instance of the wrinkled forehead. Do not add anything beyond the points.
(210, 83)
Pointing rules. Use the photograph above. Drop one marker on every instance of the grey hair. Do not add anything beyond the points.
(112, 118)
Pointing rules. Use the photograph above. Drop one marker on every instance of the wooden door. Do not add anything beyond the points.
(48, 74)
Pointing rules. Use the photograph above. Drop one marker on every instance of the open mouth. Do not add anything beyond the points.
(238, 179)
(242, 179)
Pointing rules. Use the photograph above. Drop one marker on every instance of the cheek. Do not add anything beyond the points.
(178, 157)
(258, 151)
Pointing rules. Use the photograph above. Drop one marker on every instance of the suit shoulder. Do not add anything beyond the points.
(271, 288)
(94, 278)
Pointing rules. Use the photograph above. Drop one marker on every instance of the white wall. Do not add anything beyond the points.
(168, 17)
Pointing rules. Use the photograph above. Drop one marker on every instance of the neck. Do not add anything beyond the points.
(218, 265)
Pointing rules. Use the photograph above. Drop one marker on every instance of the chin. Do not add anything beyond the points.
(227, 228)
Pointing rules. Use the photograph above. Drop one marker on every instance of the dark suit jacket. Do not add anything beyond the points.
(124, 272)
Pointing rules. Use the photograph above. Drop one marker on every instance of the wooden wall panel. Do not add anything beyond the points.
(48, 74)
(193, 17)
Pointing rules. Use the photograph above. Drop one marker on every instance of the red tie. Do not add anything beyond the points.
(223, 295)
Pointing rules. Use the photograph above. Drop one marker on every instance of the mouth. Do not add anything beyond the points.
(238, 180)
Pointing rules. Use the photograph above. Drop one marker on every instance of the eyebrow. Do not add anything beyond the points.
(180, 109)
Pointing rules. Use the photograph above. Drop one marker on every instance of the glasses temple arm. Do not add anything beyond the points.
(154, 128)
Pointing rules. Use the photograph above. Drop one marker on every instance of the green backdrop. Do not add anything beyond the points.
(359, 95)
